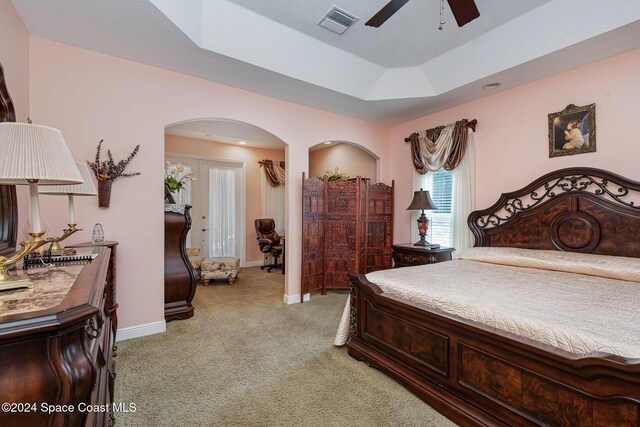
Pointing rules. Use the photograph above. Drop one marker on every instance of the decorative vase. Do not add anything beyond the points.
(104, 193)
(98, 234)
(168, 195)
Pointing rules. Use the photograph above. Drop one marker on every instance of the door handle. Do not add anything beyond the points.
(204, 229)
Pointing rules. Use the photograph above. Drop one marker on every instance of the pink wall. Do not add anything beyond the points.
(89, 96)
(512, 133)
(250, 156)
(14, 57)
(349, 159)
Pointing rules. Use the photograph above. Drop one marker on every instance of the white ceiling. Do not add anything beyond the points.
(387, 46)
(402, 70)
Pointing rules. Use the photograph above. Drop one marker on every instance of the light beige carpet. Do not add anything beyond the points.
(246, 359)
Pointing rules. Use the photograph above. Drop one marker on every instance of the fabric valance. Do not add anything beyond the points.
(274, 171)
(442, 146)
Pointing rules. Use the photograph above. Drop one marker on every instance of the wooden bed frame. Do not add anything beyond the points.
(478, 375)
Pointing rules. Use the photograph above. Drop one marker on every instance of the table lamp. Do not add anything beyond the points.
(32, 155)
(87, 188)
(422, 201)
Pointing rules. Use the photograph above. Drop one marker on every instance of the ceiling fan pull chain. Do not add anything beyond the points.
(442, 21)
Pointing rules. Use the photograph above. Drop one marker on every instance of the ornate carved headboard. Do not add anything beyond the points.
(574, 209)
(8, 202)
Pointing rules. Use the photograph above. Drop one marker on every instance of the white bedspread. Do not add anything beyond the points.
(576, 302)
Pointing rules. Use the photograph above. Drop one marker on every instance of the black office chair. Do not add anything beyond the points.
(269, 242)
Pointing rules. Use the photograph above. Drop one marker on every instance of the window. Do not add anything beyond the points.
(439, 184)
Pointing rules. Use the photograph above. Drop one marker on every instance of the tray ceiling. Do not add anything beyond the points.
(402, 70)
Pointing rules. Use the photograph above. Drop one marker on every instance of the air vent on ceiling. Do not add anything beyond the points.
(337, 20)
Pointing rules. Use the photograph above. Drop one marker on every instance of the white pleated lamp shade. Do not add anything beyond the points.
(87, 188)
(34, 152)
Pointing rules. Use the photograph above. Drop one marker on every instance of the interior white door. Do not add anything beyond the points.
(223, 220)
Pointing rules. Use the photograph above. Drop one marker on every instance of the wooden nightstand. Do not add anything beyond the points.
(407, 255)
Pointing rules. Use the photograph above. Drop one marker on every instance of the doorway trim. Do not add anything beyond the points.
(243, 200)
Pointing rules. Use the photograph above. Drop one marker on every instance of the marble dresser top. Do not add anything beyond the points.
(50, 286)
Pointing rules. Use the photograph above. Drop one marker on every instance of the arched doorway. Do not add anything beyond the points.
(210, 146)
(342, 157)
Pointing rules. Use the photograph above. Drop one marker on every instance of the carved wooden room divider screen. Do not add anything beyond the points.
(347, 225)
(313, 197)
(8, 199)
(379, 226)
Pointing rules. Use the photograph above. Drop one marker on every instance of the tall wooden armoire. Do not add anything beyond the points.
(179, 277)
(347, 226)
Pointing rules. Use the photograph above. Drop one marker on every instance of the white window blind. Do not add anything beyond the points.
(440, 186)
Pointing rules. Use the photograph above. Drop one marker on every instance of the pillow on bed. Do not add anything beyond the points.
(613, 267)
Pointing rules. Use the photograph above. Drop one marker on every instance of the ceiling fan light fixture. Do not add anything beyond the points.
(464, 11)
(337, 20)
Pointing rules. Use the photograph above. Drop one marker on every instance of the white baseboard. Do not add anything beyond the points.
(141, 330)
(295, 299)
(253, 263)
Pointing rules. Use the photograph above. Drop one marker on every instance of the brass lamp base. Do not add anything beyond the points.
(6, 281)
(55, 249)
(15, 284)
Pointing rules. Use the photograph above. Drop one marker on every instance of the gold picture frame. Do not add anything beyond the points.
(572, 131)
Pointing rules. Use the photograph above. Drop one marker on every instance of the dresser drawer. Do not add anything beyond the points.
(408, 255)
(408, 259)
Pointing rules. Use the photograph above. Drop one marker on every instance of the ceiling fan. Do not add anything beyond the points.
(464, 11)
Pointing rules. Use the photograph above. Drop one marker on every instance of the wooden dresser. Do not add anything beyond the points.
(56, 347)
(111, 303)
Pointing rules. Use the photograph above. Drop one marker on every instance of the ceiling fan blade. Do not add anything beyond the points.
(464, 11)
(385, 13)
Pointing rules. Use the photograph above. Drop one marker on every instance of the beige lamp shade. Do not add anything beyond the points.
(87, 188)
(33, 152)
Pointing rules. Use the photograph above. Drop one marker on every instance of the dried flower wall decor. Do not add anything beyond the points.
(108, 171)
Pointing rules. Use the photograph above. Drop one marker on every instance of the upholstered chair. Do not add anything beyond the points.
(269, 242)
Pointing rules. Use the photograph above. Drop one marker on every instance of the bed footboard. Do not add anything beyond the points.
(478, 375)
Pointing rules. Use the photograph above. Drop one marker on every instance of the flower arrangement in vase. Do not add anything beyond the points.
(175, 177)
(108, 171)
